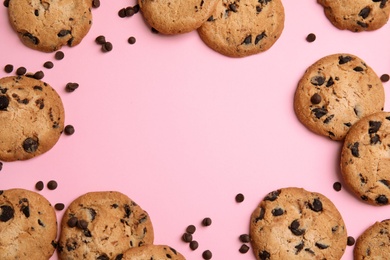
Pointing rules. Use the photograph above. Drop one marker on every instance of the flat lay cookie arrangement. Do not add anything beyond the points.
(215, 129)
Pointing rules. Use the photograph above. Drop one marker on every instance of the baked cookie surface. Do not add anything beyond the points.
(292, 223)
(47, 25)
(335, 92)
(31, 117)
(157, 252)
(103, 225)
(357, 16)
(243, 28)
(28, 226)
(175, 17)
(365, 160)
(374, 242)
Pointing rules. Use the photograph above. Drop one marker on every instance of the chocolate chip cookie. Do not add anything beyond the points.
(292, 223)
(365, 160)
(31, 116)
(335, 92)
(357, 16)
(175, 17)
(243, 28)
(103, 225)
(374, 242)
(160, 252)
(28, 225)
(47, 25)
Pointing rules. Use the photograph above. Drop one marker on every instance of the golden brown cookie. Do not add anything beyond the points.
(31, 116)
(335, 92)
(243, 28)
(103, 225)
(47, 25)
(292, 223)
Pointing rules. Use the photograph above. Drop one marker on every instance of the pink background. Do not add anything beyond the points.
(181, 129)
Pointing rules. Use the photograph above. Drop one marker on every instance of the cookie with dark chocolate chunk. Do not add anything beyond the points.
(28, 226)
(31, 117)
(293, 223)
(48, 25)
(176, 17)
(335, 92)
(243, 28)
(160, 252)
(103, 225)
(373, 243)
(365, 161)
(357, 16)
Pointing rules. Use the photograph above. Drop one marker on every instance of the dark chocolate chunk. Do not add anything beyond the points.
(364, 13)
(52, 185)
(239, 197)
(131, 40)
(24, 207)
(119, 257)
(6, 3)
(207, 254)
(59, 55)
(122, 13)
(247, 40)
(21, 71)
(316, 205)
(317, 80)
(107, 47)
(330, 82)
(361, 24)
(350, 241)
(375, 139)
(72, 222)
(129, 11)
(358, 69)
(294, 227)
(96, 4)
(243, 249)
(319, 112)
(103, 257)
(233, 7)
(273, 195)
(311, 37)
(69, 130)
(8, 68)
(206, 222)
(59, 206)
(264, 255)
(127, 211)
(382, 200)
(337, 186)
(386, 183)
(194, 245)
(344, 59)
(354, 149)
(100, 39)
(244, 238)
(1, 167)
(31, 38)
(385, 77)
(186, 237)
(38, 75)
(261, 216)
(315, 99)
(328, 119)
(6, 213)
(259, 37)
(39, 185)
(64, 33)
(277, 212)
(4, 102)
(191, 229)
(374, 126)
(321, 246)
(30, 145)
(71, 86)
(299, 247)
(82, 224)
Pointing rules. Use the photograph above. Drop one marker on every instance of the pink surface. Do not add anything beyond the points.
(181, 129)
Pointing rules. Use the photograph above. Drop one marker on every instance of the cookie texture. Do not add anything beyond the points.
(175, 17)
(47, 25)
(31, 115)
(245, 27)
(158, 252)
(292, 223)
(28, 226)
(365, 161)
(335, 92)
(103, 225)
(357, 16)
(374, 242)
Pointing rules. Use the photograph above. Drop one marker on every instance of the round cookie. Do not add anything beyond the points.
(335, 92)
(103, 225)
(243, 28)
(28, 226)
(32, 117)
(357, 16)
(159, 252)
(292, 223)
(175, 17)
(48, 25)
(374, 242)
(365, 161)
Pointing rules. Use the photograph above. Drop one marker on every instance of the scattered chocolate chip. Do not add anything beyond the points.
(206, 222)
(191, 229)
(385, 77)
(4, 102)
(136, 8)
(311, 37)
(6, 3)
(21, 71)
(129, 11)
(69, 130)
(107, 47)
(100, 39)
(38, 75)
(30, 145)
(71, 86)
(59, 206)
(95, 3)
(72, 222)
(207, 254)
(243, 249)
(337, 186)
(52, 185)
(8, 68)
(48, 65)
(186, 237)
(315, 99)
(39, 185)
(239, 197)
(122, 13)
(59, 55)
(131, 40)
(194, 245)
(350, 241)
(1, 166)
(244, 238)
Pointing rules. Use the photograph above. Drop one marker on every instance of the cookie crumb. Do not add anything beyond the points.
(385, 77)
(39, 185)
(52, 185)
(311, 37)
(350, 241)
(337, 186)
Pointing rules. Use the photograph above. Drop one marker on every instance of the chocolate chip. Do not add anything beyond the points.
(207, 254)
(25, 210)
(30, 145)
(365, 12)
(39, 185)
(191, 229)
(375, 139)
(243, 249)
(264, 255)
(131, 40)
(354, 149)
(1, 167)
(4, 102)
(72, 222)
(259, 37)
(337, 186)
(316, 205)
(317, 80)
(119, 257)
(273, 195)
(319, 112)
(69, 130)
(294, 227)
(277, 212)
(382, 200)
(21, 71)
(350, 241)
(194, 245)
(247, 40)
(8, 68)
(6, 213)
(48, 65)
(206, 222)
(374, 126)
(6, 3)
(103, 257)
(261, 215)
(59, 55)
(358, 69)
(361, 24)
(100, 39)
(244, 238)
(321, 246)
(330, 82)
(129, 11)
(95, 3)
(38, 75)
(344, 59)
(59, 206)
(385, 77)
(186, 237)
(328, 119)
(82, 224)
(63, 33)
(315, 99)
(52, 185)
(239, 197)
(299, 247)
(311, 37)
(71, 86)
(122, 13)
(107, 47)
(34, 40)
